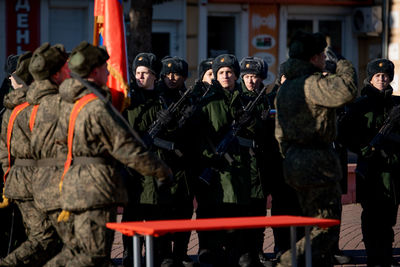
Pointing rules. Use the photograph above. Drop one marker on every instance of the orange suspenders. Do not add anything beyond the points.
(33, 116)
(79, 104)
(10, 126)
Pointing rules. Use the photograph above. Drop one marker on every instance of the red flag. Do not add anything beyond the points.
(109, 30)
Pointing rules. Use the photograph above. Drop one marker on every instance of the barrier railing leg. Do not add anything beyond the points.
(308, 247)
(137, 255)
(293, 245)
(149, 251)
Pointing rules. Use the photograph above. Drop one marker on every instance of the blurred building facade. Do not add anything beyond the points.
(360, 30)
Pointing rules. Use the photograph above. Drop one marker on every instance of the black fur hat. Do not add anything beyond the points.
(204, 66)
(148, 60)
(305, 45)
(11, 64)
(254, 65)
(380, 65)
(226, 60)
(174, 65)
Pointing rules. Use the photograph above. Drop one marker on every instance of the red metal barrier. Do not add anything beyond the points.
(157, 228)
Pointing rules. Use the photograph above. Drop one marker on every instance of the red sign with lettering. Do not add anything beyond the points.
(22, 25)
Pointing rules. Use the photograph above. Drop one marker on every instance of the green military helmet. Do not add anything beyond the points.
(22, 74)
(85, 57)
(47, 60)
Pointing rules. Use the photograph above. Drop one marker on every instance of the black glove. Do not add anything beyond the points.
(164, 116)
(330, 66)
(330, 55)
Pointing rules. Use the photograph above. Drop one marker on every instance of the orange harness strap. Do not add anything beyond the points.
(33, 117)
(79, 104)
(10, 126)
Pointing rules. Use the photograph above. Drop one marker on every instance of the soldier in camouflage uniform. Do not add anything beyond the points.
(377, 169)
(227, 192)
(92, 187)
(11, 225)
(150, 201)
(305, 129)
(41, 243)
(43, 95)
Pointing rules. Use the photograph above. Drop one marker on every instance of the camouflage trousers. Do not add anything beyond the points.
(65, 232)
(42, 240)
(319, 202)
(91, 240)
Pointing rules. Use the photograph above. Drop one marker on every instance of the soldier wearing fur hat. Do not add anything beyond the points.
(305, 129)
(12, 224)
(377, 163)
(90, 184)
(20, 166)
(148, 201)
(205, 73)
(260, 160)
(228, 192)
(9, 68)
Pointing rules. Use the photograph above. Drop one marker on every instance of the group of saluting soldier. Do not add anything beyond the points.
(70, 158)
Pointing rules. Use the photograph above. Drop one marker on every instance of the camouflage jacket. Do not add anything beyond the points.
(141, 114)
(306, 121)
(306, 103)
(99, 133)
(18, 183)
(45, 184)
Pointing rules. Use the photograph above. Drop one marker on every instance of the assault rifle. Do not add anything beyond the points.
(223, 146)
(160, 123)
(384, 135)
(190, 110)
(385, 132)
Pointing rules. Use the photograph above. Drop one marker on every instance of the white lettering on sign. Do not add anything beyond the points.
(22, 35)
(19, 50)
(22, 20)
(22, 5)
(22, 8)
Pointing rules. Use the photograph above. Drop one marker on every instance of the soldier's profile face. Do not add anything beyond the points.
(208, 76)
(62, 74)
(102, 75)
(226, 77)
(174, 80)
(145, 78)
(251, 81)
(14, 83)
(380, 81)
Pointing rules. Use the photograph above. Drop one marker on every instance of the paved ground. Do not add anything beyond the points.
(350, 239)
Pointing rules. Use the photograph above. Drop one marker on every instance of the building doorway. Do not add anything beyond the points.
(335, 22)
